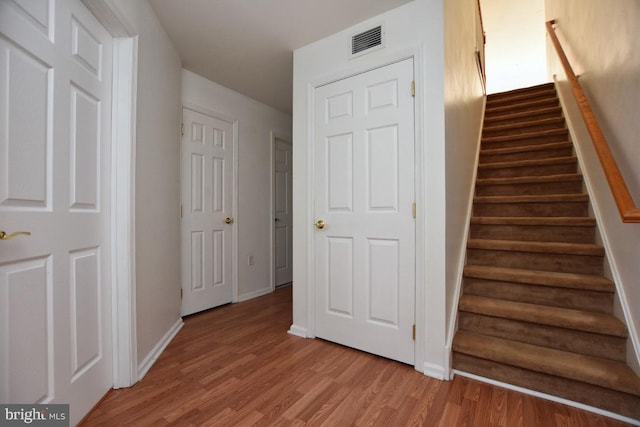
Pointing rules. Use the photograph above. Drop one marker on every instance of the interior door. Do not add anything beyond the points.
(55, 121)
(282, 201)
(364, 194)
(207, 206)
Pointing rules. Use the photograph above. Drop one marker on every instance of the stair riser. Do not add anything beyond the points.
(519, 99)
(526, 155)
(532, 233)
(522, 106)
(487, 133)
(522, 91)
(541, 188)
(575, 299)
(496, 100)
(504, 119)
(599, 397)
(538, 170)
(488, 144)
(564, 263)
(531, 209)
(580, 342)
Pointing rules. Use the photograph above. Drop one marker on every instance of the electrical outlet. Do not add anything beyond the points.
(250, 260)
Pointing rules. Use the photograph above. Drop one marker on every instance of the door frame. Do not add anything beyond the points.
(123, 149)
(419, 161)
(234, 211)
(287, 139)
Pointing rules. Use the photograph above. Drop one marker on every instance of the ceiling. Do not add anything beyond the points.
(247, 45)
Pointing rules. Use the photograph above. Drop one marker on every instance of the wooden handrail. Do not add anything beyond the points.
(629, 212)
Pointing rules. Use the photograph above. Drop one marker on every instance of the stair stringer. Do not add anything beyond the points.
(606, 214)
(452, 324)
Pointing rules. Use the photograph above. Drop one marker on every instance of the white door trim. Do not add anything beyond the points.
(274, 136)
(124, 115)
(419, 153)
(125, 357)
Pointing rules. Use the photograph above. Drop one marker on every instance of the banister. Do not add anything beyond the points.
(629, 212)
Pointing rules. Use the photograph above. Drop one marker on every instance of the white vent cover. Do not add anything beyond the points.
(366, 41)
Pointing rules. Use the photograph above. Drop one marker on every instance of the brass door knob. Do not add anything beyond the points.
(5, 236)
(320, 224)
(228, 220)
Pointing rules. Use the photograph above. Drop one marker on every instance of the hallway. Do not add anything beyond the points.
(237, 366)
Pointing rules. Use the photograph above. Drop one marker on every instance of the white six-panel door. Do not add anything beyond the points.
(55, 122)
(207, 206)
(364, 193)
(282, 203)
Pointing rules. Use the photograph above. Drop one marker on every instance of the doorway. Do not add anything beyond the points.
(282, 218)
(207, 230)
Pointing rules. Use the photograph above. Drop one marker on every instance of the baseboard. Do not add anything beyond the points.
(448, 359)
(254, 294)
(549, 397)
(157, 350)
(435, 371)
(298, 331)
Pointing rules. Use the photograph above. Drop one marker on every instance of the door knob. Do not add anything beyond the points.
(277, 220)
(228, 220)
(5, 236)
(320, 224)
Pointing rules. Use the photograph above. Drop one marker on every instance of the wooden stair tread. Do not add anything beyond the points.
(588, 249)
(524, 124)
(523, 114)
(587, 369)
(536, 103)
(587, 321)
(536, 220)
(526, 135)
(534, 88)
(526, 91)
(539, 198)
(525, 163)
(514, 100)
(525, 148)
(514, 97)
(569, 177)
(541, 278)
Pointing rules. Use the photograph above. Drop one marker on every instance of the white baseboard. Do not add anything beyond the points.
(435, 371)
(298, 331)
(254, 294)
(157, 350)
(446, 369)
(550, 397)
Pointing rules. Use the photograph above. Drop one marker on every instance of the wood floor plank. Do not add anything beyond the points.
(498, 413)
(237, 366)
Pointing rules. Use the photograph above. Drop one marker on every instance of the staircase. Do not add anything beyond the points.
(536, 310)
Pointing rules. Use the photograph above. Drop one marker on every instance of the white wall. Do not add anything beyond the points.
(157, 179)
(602, 45)
(416, 28)
(256, 121)
(464, 105)
(515, 43)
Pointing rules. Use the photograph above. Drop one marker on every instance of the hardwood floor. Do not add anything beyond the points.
(237, 366)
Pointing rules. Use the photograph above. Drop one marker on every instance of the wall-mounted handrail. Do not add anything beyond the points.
(629, 212)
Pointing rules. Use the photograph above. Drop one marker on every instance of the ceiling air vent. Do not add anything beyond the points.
(367, 40)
